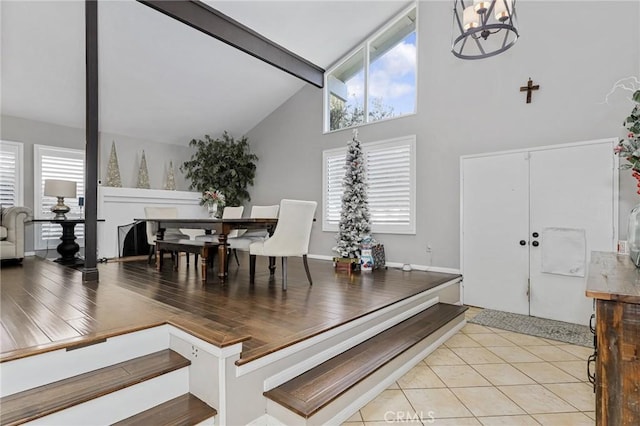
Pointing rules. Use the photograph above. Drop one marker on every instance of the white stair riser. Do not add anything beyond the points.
(30, 372)
(125, 403)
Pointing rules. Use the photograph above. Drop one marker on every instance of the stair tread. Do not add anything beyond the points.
(184, 410)
(47, 399)
(309, 392)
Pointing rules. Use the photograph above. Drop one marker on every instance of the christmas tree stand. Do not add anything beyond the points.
(346, 264)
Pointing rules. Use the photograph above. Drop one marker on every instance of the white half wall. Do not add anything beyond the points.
(120, 206)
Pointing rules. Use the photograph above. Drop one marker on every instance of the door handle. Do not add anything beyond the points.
(535, 244)
(523, 243)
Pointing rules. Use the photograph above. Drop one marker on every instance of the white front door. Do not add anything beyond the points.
(547, 199)
(572, 199)
(495, 219)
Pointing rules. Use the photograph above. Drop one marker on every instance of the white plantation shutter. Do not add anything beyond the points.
(335, 163)
(57, 163)
(11, 156)
(390, 185)
(390, 175)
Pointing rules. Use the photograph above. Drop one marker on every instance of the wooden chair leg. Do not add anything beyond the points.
(284, 273)
(187, 254)
(152, 251)
(252, 268)
(235, 253)
(272, 265)
(306, 268)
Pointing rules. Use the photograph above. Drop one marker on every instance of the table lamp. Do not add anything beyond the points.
(60, 189)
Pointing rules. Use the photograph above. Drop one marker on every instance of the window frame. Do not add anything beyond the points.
(38, 152)
(403, 141)
(365, 46)
(17, 148)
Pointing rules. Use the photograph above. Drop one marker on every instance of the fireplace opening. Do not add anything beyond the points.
(132, 239)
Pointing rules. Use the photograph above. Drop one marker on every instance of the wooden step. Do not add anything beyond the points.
(44, 400)
(309, 392)
(185, 410)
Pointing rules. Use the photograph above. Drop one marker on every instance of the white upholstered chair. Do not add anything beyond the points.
(242, 242)
(290, 238)
(152, 227)
(229, 212)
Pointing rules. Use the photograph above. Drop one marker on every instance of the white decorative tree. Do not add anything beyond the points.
(354, 217)
(171, 178)
(113, 172)
(143, 174)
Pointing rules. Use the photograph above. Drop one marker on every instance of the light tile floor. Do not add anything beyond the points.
(488, 376)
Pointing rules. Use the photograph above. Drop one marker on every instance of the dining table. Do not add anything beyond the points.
(222, 228)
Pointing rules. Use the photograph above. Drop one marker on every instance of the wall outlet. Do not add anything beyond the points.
(623, 247)
(428, 248)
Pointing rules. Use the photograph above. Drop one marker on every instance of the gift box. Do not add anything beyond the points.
(377, 252)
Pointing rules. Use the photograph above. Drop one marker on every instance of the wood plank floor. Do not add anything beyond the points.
(46, 306)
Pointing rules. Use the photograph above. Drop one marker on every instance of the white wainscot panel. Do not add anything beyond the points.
(120, 206)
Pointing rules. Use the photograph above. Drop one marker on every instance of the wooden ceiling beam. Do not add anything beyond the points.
(218, 25)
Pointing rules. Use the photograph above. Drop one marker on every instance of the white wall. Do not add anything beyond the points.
(574, 50)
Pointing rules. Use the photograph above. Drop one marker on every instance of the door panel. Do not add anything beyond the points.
(570, 188)
(495, 216)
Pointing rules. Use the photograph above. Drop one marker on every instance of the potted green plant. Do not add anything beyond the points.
(225, 164)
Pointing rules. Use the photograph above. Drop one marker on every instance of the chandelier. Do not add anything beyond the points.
(483, 28)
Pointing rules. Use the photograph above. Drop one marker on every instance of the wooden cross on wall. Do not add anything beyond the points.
(529, 88)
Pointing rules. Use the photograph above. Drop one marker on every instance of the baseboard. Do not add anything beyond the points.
(399, 265)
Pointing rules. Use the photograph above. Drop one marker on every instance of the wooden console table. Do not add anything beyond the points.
(614, 283)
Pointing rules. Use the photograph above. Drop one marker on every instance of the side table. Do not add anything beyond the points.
(68, 248)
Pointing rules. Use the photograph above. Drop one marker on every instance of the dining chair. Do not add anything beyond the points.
(229, 212)
(290, 238)
(152, 227)
(243, 241)
(246, 237)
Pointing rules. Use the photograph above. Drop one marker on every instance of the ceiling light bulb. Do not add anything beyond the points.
(502, 10)
(470, 18)
(481, 6)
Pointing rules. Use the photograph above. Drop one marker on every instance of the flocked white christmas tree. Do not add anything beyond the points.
(143, 174)
(354, 217)
(113, 172)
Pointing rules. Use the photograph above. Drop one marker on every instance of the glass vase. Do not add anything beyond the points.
(213, 210)
(633, 235)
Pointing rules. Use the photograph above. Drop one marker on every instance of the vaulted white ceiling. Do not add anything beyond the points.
(161, 80)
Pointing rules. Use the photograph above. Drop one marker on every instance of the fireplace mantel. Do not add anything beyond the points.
(119, 206)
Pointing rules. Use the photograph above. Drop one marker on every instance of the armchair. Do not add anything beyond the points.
(12, 232)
